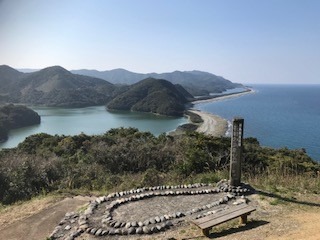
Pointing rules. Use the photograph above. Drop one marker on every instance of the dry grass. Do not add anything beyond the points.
(22, 210)
(286, 184)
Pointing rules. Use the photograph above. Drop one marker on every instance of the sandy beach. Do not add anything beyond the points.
(214, 125)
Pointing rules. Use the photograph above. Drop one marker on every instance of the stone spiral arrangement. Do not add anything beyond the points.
(110, 226)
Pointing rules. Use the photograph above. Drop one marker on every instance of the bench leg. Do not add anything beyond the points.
(206, 232)
(243, 219)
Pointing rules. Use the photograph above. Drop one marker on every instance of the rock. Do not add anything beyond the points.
(69, 215)
(153, 230)
(139, 230)
(98, 232)
(162, 219)
(157, 219)
(112, 223)
(93, 231)
(169, 224)
(134, 224)
(67, 228)
(62, 222)
(117, 225)
(146, 222)
(140, 224)
(105, 232)
(131, 230)
(179, 214)
(128, 225)
(117, 231)
(124, 231)
(84, 226)
(146, 230)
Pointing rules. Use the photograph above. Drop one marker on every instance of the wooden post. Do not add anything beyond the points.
(236, 151)
(244, 219)
(206, 232)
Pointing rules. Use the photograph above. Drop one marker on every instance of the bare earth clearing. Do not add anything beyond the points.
(276, 217)
(36, 219)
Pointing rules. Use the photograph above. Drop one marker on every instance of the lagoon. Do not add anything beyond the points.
(92, 121)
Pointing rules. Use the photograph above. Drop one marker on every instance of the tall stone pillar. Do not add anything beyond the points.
(236, 151)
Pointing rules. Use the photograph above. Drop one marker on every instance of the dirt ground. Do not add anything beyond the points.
(276, 218)
(36, 219)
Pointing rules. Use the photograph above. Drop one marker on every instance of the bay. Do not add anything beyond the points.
(91, 121)
(277, 115)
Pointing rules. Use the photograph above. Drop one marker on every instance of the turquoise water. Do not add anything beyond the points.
(277, 115)
(91, 120)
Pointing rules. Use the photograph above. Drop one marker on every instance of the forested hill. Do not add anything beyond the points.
(53, 86)
(13, 116)
(196, 82)
(152, 95)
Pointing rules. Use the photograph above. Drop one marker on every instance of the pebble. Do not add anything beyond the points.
(67, 228)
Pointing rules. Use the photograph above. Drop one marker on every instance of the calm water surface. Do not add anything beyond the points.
(90, 120)
(277, 115)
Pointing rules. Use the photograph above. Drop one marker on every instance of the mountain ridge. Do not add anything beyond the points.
(196, 82)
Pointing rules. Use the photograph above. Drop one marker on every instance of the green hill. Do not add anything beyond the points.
(53, 86)
(152, 95)
(13, 116)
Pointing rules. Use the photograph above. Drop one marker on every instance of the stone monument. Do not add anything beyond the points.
(236, 151)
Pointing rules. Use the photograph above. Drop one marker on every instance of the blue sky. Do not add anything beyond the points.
(248, 41)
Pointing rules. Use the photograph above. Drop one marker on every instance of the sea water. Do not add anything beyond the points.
(277, 115)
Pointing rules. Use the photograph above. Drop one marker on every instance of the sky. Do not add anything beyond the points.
(247, 41)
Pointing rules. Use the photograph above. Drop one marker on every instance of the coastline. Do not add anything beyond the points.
(224, 97)
(214, 125)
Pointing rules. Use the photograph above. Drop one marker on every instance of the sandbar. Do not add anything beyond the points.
(214, 125)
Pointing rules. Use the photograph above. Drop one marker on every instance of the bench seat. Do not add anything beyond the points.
(207, 222)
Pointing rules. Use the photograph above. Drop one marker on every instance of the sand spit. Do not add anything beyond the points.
(212, 124)
(224, 97)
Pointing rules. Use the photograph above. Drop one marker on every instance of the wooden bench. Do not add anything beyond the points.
(207, 222)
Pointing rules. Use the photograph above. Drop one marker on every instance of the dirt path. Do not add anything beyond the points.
(273, 220)
(41, 223)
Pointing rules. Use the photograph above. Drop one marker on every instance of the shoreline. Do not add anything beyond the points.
(224, 97)
(214, 125)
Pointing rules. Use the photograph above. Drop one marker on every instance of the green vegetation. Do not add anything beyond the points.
(14, 116)
(126, 158)
(53, 86)
(197, 83)
(152, 95)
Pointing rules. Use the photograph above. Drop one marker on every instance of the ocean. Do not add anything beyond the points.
(277, 115)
